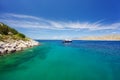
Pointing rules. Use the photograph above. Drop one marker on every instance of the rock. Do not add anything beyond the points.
(13, 46)
(10, 50)
(11, 40)
(18, 49)
(2, 51)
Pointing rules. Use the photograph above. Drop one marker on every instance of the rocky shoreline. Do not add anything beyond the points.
(16, 45)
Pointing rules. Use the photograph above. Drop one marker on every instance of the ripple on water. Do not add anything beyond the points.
(54, 61)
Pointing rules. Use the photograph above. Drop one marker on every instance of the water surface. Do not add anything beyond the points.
(53, 60)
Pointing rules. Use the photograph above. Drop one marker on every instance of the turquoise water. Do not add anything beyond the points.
(52, 60)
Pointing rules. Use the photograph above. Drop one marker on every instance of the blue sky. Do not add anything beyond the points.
(59, 19)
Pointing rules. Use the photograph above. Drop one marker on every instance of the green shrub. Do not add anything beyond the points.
(7, 31)
(13, 31)
(21, 35)
(4, 29)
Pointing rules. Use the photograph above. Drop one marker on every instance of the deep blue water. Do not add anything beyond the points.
(53, 60)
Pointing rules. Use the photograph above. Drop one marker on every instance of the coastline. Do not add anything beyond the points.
(92, 40)
(11, 40)
(110, 37)
(16, 45)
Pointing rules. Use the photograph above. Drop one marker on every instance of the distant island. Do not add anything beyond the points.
(111, 37)
(11, 40)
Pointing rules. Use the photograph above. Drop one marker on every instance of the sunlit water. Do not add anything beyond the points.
(53, 60)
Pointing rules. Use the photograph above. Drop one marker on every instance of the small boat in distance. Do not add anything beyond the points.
(67, 41)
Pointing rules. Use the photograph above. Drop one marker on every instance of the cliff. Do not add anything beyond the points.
(11, 40)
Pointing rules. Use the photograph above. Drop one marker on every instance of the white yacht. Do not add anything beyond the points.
(67, 41)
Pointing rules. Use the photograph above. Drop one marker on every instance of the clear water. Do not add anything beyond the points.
(53, 60)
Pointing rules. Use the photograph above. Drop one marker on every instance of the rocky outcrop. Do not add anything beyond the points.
(16, 45)
(11, 40)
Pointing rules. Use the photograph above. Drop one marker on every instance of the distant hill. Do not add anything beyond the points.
(104, 37)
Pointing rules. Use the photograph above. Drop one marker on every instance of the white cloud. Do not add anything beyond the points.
(20, 16)
(26, 21)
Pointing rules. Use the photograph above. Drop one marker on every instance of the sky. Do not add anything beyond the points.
(60, 19)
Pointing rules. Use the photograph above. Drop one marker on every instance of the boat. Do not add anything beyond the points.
(67, 41)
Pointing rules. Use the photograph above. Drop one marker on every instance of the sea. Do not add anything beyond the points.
(54, 60)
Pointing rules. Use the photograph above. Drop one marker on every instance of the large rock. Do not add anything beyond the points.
(2, 51)
(13, 46)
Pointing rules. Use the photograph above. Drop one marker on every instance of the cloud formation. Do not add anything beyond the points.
(27, 21)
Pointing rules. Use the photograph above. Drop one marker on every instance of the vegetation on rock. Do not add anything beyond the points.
(7, 32)
(11, 40)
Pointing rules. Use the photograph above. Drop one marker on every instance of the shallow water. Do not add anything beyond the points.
(80, 60)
